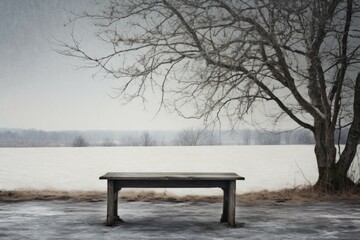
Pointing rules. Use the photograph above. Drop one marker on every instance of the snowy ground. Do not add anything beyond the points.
(169, 220)
(79, 169)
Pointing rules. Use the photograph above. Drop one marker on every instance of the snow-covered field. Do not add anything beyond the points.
(264, 167)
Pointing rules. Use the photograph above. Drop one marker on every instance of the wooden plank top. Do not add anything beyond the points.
(171, 176)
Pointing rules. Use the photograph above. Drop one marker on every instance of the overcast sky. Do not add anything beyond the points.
(43, 90)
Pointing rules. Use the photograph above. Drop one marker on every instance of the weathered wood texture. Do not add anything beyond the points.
(110, 203)
(232, 203)
(225, 181)
(171, 175)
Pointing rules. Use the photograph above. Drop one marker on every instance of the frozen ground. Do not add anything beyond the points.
(169, 220)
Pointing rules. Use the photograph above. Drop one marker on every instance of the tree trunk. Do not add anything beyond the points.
(348, 154)
(333, 176)
(325, 155)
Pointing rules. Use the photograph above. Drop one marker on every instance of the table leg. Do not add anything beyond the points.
(229, 203)
(116, 215)
(232, 203)
(224, 216)
(111, 199)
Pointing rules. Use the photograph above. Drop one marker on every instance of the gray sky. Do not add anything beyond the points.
(41, 89)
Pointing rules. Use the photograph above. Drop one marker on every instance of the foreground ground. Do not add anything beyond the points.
(71, 219)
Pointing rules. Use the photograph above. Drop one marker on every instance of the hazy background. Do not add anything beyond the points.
(42, 89)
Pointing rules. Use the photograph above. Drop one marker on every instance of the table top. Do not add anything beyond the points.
(171, 176)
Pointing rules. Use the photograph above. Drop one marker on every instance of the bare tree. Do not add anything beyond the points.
(267, 138)
(146, 140)
(131, 140)
(193, 137)
(108, 143)
(79, 141)
(246, 136)
(290, 59)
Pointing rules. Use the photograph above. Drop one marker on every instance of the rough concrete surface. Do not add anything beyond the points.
(185, 220)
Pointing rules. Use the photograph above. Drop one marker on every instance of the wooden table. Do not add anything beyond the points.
(118, 180)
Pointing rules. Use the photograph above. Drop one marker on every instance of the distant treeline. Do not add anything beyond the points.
(188, 137)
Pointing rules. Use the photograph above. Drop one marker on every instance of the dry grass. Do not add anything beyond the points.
(305, 194)
(28, 195)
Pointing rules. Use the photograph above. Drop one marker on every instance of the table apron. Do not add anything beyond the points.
(224, 184)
